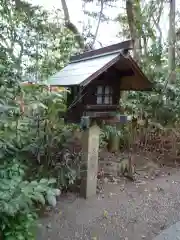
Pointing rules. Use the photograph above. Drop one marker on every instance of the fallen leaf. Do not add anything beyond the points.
(105, 214)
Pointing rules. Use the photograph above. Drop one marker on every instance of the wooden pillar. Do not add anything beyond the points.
(89, 169)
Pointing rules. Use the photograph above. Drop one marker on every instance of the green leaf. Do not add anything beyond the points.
(52, 181)
(39, 198)
(44, 181)
(51, 200)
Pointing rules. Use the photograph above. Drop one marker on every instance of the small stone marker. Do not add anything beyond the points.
(89, 169)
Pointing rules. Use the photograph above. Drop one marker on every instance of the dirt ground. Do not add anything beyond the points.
(124, 210)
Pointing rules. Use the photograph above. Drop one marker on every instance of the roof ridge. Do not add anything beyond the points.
(115, 48)
(96, 56)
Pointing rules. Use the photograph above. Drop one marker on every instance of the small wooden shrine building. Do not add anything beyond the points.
(97, 78)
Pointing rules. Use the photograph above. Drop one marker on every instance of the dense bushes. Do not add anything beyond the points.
(17, 199)
(31, 135)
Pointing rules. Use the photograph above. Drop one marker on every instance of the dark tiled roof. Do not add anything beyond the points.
(76, 73)
(87, 66)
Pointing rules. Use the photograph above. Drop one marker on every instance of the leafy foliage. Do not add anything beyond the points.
(162, 104)
(30, 128)
(33, 39)
(18, 195)
(33, 138)
(17, 198)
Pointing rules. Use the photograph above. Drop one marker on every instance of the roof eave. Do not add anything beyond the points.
(126, 45)
(138, 69)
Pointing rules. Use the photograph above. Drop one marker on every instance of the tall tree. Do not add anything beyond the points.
(71, 26)
(131, 10)
(98, 15)
(98, 23)
(172, 40)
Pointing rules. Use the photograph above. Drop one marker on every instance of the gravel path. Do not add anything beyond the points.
(129, 211)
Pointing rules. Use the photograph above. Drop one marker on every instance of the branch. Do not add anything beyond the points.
(100, 44)
(99, 21)
(156, 21)
(132, 27)
(71, 26)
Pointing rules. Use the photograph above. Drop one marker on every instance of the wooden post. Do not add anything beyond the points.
(89, 169)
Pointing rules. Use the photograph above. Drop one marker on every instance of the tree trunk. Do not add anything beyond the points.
(98, 24)
(78, 37)
(133, 29)
(172, 41)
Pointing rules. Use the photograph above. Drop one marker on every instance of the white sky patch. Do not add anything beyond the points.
(108, 31)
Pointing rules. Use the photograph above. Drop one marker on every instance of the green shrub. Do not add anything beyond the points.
(17, 201)
(34, 137)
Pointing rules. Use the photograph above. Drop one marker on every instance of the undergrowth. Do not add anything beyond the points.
(28, 133)
(18, 198)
